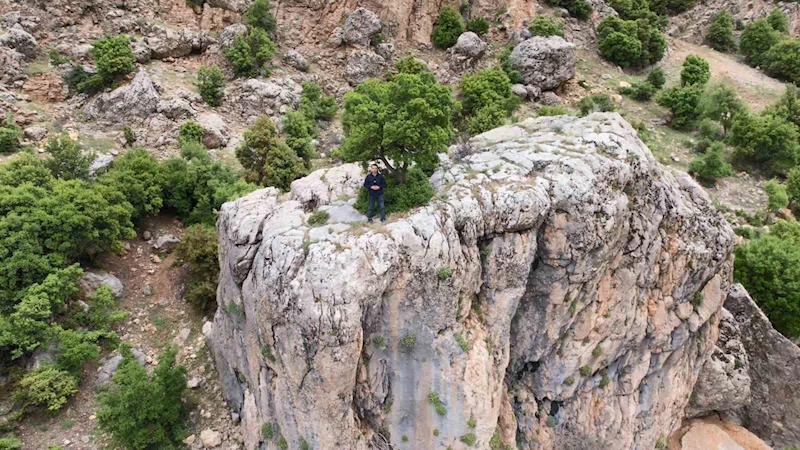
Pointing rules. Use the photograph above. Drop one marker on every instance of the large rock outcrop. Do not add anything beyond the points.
(539, 300)
(135, 101)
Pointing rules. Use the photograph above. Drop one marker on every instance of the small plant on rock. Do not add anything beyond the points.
(318, 218)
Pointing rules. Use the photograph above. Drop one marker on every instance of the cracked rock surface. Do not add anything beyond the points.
(546, 298)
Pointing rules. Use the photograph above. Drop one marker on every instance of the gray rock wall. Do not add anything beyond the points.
(548, 297)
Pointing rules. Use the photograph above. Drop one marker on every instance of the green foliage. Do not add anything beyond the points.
(470, 439)
(67, 161)
(113, 56)
(544, 26)
(198, 248)
(478, 25)
(661, 443)
(551, 422)
(777, 198)
(267, 431)
(596, 102)
(682, 101)
(211, 83)
(793, 184)
(416, 191)
(379, 342)
(768, 268)
(130, 138)
(569, 381)
(267, 159)
(579, 9)
(445, 273)
(463, 343)
(487, 99)
(695, 71)
(657, 78)
(10, 443)
(258, 15)
(190, 131)
(547, 110)
(671, 6)
(304, 445)
(248, 54)
(409, 341)
(511, 70)
(406, 120)
(641, 91)
(757, 38)
(711, 165)
(315, 105)
(585, 371)
(299, 132)
(630, 43)
(788, 107)
(47, 387)
(318, 218)
(777, 19)
(720, 36)
(410, 65)
(57, 59)
(721, 103)
(282, 444)
(765, 141)
(472, 423)
(135, 175)
(433, 399)
(597, 351)
(782, 60)
(141, 411)
(447, 28)
(10, 136)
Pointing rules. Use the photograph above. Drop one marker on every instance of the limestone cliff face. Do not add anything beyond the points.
(562, 290)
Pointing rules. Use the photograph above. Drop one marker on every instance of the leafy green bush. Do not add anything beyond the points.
(198, 248)
(211, 84)
(416, 191)
(544, 26)
(10, 136)
(641, 91)
(720, 36)
(548, 110)
(10, 443)
(406, 120)
(757, 38)
(793, 184)
(57, 59)
(721, 103)
(129, 137)
(478, 25)
(248, 54)
(711, 165)
(596, 102)
(141, 411)
(765, 141)
(447, 28)
(782, 60)
(682, 101)
(190, 131)
(777, 198)
(579, 9)
(47, 387)
(486, 99)
(630, 43)
(671, 6)
(695, 71)
(135, 175)
(767, 267)
(267, 159)
(318, 218)
(67, 161)
(709, 132)
(410, 65)
(777, 19)
(657, 78)
(315, 105)
(508, 66)
(113, 56)
(788, 107)
(299, 132)
(259, 16)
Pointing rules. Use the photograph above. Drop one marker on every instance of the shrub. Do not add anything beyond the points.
(585, 371)
(630, 43)
(788, 107)
(478, 25)
(318, 218)
(198, 248)
(470, 439)
(10, 443)
(10, 136)
(447, 28)
(508, 66)
(211, 84)
(757, 38)
(258, 15)
(445, 273)
(793, 184)
(141, 411)
(671, 6)
(720, 36)
(721, 103)
(544, 26)
(410, 65)
(711, 165)
(57, 59)
(683, 104)
(569, 381)
(547, 110)
(695, 71)
(708, 131)
(416, 191)
(579, 9)
(282, 444)
(596, 102)
(767, 267)
(433, 399)
(409, 341)
(765, 141)
(299, 132)
(129, 137)
(657, 78)
(641, 91)
(267, 431)
(486, 99)
(315, 105)
(190, 131)
(463, 343)
(406, 120)
(135, 175)
(47, 387)
(67, 161)
(777, 198)
(777, 19)
(782, 60)
(113, 56)
(267, 159)
(248, 54)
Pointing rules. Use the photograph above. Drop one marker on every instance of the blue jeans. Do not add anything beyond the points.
(376, 199)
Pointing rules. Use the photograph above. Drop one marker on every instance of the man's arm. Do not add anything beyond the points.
(382, 181)
(366, 179)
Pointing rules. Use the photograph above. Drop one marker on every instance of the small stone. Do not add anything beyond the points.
(194, 382)
(624, 84)
(234, 417)
(155, 259)
(147, 235)
(190, 440)
(148, 289)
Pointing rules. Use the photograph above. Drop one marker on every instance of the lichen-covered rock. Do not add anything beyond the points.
(543, 282)
(216, 132)
(362, 65)
(93, 279)
(136, 100)
(296, 60)
(271, 97)
(11, 66)
(323, 186)
(176, 108)
(230, 33)
(545, 62)
(360, 27)
(468, 50)
(20, 40)
(166, 42)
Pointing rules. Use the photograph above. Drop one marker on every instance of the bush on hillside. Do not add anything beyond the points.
(793, 185)
(594, 103)
(447, 28)
(267, 159)
(478, 25)
(47, 387)
(113, 57)
(248, 54)
(778, 20)
(547, 110)
(777, 198)
(544, 26)
(410, 65)
(682, 101)
(782, 60)
(695, 71)
(580, 9)
(788, 107)
(508, 66)
(711, 165)
(315, 105)
(657, 78)
(721, 103)
(198, 248)
(720, 36)
(757, 38)
(299, 132)
(765, 141)
(10, 136)
(135, 176)
(663, 7)
(630, 43)
(67, 160)
(486, 99)
(258, 15)
(210, 83)
(190, 131)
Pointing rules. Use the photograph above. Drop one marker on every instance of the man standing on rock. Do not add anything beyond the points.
(376, 184)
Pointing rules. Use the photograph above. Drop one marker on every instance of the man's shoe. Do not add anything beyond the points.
(369, 220)
(383, 220)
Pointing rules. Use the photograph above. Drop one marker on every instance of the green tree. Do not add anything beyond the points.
(411, 65)
(793, 184)
(190, 131)
(315, 105)
(769, 268)
(299, 132)
(777, 198)
(695, 71)
(267, 159)
(721, 103)
(10, 136)
(544, 26)
(487, 99)
(113, 57)
(782, 60)
(67, 161)
(711, 165)
(508, 66)
(765, 141)
(630, 43)
(682, 101)
(198, 248)
(757, 38)
(47, 387)
(657, 78)
(141, 411)
(777, 19)
(258, 15)
(788, 107)
(642, 91)
(478, 25)
(596, 102)
(135, 176)
(447, 28)
(407, 120)
(211, 83)
(248, 54)
(720, 36)
(579, 9)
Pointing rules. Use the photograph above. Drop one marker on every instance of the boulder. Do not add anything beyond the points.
(271, 97)
(296, 60)
(176, 108)
(110, 364)
(550, 98)
(138, 100)
(362, 65)
(323, 186)
(385, 50)
(210, 438)
(100, 163)
(519, 90)
(239, 6)
(360, 27)
(93, 279)
(43, 356)
(230, 33)
(35, 133)
(216, 132)
(141, 51)
(166, 42)
(537, 293)
(11, 66)
(468, 50)
(21, 41)
(166, 242)
(545, 62)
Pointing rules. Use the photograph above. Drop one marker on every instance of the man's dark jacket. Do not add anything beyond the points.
(375, 180)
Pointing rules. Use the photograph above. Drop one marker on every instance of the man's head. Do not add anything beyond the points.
(374, 169)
